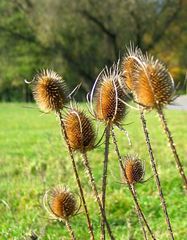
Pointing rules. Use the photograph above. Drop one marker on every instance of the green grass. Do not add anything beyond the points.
(33, 158)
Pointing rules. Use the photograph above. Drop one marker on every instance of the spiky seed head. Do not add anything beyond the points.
(108, 95)
(128, 67)
(153, 85)
(79, 130)
(61, 203)
(134, 169)
(49, 91)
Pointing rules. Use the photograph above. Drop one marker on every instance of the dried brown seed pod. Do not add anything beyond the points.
(153, 84)
(49, 91)
(107, 95)
(134, 169)
(79, 130)
(60, 203)
(148, 79)
(128, 67)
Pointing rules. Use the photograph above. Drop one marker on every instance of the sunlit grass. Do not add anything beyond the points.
(33, 157)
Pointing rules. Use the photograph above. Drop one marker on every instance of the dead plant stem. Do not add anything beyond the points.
(130, 187)
(95, 191)
(63, 130)
(104, 180)
(157, 179)
(70, 230)
(172, 146)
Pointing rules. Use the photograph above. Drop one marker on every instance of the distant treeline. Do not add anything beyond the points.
(78, 38)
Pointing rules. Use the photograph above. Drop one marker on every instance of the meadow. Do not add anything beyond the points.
(34, 158)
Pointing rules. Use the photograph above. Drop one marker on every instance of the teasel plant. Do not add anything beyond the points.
(61, 205)
(106, 106)
(152, 87)
(51, 94)
(81, 136)
(133, 172)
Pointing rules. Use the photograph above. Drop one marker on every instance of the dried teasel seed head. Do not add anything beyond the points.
(60, 203)
(49, 91)
(134, 169)
(108, 95)
(79, 130)
(148, 79)
(128, 67)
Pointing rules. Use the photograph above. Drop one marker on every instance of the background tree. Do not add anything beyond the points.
(78, 38)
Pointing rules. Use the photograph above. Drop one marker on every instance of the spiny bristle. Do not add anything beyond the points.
(62, 203)
(134, 169)
(108, 96)
(79, 130)
(49, 91)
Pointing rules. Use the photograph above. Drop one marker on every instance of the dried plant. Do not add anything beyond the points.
(148, 93)
(107, 106)
(153, 88)
(133, 171)
(61, 205)
(50, 93)
(82, 139)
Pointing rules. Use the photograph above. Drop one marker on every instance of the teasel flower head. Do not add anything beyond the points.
(49, 91)
(107, 96)
(79, 130)
(148, 79)
(134, 169)
(128, 67)
(60, 203)
(153, 84)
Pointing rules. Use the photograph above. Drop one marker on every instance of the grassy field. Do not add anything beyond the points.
(33, 158)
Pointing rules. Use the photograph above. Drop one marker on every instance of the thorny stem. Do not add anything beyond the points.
(130, 187)
(90, 228)
(139, 215)
(157, 179)
(172, 146)
(70, 230)
(94, 188)
(104, 180)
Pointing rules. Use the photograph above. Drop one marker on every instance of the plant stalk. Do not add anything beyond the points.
(139, 215)
(70, 230)
(104, 180)
(172, 146)
(94, 188)
(63, 130)
(130, 187)
(157, 179)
